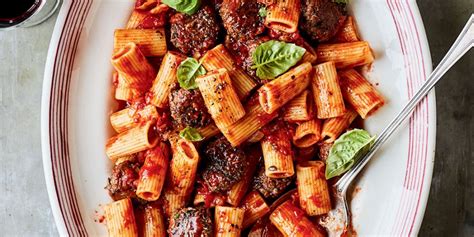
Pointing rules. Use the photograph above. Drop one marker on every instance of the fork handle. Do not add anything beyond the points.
(463, 44)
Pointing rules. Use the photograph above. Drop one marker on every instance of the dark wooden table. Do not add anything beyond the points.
(450, 210)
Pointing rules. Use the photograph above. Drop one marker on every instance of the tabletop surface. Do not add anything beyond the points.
(24, 204)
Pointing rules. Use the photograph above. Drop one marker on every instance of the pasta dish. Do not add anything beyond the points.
(225, 106)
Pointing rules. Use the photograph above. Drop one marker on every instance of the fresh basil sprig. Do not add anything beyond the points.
(274, 58)
(184, 6)
(191, 134)
(187, 72)
(347, 150)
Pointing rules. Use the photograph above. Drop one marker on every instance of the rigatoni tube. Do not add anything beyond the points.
(137, 139)
(254, 119)
(218, 58)
(228, 221)
(334, 127)
(278, 92)
(346, 55)
(120, 219)
(151, 42)
(360, 93)
(153, 172)
(326, 91)
(301, 108)
(220, 98)
(165, 78)
(133, 67)
(307, 133)
(277, 156)
(130, 117)
(181, 175)
(291, 221)
(313, 188)
(283, 15)
(255, 208)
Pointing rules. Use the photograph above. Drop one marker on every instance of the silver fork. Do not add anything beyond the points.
(340, 215)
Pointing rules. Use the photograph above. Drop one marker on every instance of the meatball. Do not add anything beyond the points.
(324, 149)
(194, 34)
(187, 108)
(189, 222)
(224, 166)
(321, 19)
(122, 182)
(241, 19)
(270, 187)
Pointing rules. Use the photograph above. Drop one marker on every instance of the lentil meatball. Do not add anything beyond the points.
(224, 166)
(187, 108)
(122, 183)
(241, 19)
(270, 187)
(194, 34)
(321, 19)
(191, 222)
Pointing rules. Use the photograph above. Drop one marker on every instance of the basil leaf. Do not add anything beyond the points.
(341, 1)
(184, 6)
(347, 150)
(262, 12)
(187, 72)
(191, 134)
(274, 58)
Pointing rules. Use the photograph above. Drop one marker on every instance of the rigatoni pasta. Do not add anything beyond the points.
(165, 79)
(326, 91)
(313, 189)
(348, 32)
(307, 133)
(346, 55)
(154, 222)
(220, 98)
(254, 119)
(291, 221)
(334, 127)
(255, 208)
(360, 93)
(278, 157)
(130, 117)
(283, 15)
(301, 108)
(133, 67)
(153, 173)
(181, 176)
(218, 58)
(120, 219)
(228, 221)
(278, 92)
(137, 139)
(151, 42)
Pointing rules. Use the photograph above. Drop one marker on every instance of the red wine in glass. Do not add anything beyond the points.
(14, 12)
